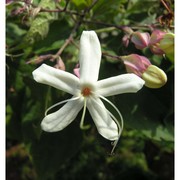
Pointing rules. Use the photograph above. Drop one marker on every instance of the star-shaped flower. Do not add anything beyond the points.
(87, 91)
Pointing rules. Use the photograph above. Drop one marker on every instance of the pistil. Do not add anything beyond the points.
(86, 91)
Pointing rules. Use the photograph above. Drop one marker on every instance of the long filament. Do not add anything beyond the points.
(59, 103)
(119, 113)
(120, 126)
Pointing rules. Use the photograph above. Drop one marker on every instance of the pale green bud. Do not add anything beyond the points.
(154, 77)
(167, 45)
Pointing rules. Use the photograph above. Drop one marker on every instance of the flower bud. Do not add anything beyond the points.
(167, 45)
(76, 70)
(140, 40)
(154, 77)
(125, 40)
(155, 39)
(128, 31)
(136, 64)
(60, 64)
(156, 36)
(9, 2)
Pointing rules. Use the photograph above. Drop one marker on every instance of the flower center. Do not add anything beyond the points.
(86, 91)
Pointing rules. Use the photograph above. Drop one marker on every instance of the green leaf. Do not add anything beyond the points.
(14, 99)
(55, 37)
(107, 8)
(13, 33)
(40, 25)
(33, 109)
(139, 7)
(81, 4)
(145, 113)
(31, 117)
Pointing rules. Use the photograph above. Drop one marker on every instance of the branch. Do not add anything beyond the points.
(144, 27)
(166, 6)
(70, 38)
(56, 10)
(111, 56)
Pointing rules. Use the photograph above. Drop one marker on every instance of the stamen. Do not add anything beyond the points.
(59, 103)
(114, 144)
(120, 126)
(83, 116)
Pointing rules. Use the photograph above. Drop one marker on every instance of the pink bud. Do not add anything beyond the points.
(155, 39)
(140, 40)
(136, 64)
(125, 40)
(156, 36)
(156, 49)
(9, 2)
(76, 70)
(127, 30)
(60, 64)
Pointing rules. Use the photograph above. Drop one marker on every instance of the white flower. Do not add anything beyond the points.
(87, 91)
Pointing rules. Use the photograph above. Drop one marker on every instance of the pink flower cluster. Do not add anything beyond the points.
(143, 40)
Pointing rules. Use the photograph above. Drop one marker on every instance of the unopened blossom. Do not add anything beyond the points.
(167, 45)
(136, 64)
(76, 70)
(87, 91)
(9, 2)
(156, 36)
(140, 40)
(154, 42)
(153, 76)
(143, 40)
(126, 38)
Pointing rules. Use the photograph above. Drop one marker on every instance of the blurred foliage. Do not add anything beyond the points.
(146, 147)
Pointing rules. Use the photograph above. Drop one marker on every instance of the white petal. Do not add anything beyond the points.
(104, 123)
(89, 56)
(63, 117)
(57, 78)
(126, 83)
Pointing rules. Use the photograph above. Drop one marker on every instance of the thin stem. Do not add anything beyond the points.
(165, 5)
(107, 29)
(67, 2)
(62, 48)
(40, 59)
(111, 56)
(57, 10)
(144, 27)
(90, 7)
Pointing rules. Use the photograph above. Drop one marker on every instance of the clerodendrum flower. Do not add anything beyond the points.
(87, 91)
